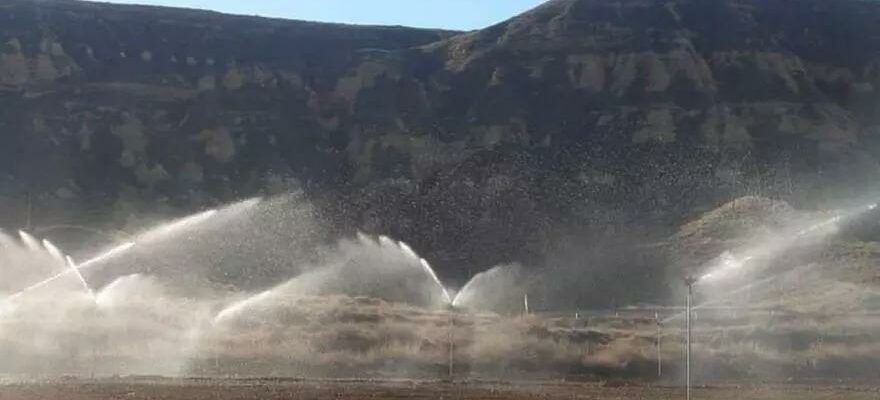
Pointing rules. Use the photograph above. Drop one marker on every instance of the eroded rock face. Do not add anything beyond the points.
(476, 147)
(45, 63)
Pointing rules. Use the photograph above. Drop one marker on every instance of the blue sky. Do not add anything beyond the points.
(449, 14)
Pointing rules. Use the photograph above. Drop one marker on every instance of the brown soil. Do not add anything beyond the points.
(265, 389)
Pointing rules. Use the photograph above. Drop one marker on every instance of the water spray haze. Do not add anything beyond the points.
(6, 241)
(104, 297)
(381, 268)
(728, 264)
(821, 226)
(244, 205)
(499, 289)
(356, 302)
(387, 242)
(457, 299)
(409, 252)
(363, 238)
(728, 268)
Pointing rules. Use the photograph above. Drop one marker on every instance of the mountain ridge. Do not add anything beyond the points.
(580, 120)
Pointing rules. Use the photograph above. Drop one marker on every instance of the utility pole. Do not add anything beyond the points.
(689, 281)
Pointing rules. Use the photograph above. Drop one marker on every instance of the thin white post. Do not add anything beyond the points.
(690, 294)
(451, 342)
(659, 351)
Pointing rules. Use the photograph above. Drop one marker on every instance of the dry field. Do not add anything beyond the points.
(266, 389)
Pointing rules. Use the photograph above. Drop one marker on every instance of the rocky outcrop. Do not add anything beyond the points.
(476, 147)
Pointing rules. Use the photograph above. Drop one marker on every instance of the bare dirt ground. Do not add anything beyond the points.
(273, 389)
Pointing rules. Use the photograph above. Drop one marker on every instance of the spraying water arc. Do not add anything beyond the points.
(97, 260)
(53, 250)
(446, 297)
(499, 289)
(29, 241)
(73, 267)
(408, 250)
(466, 289)
(727, 265)
(157, 233)
(239, 306)
(165, 230)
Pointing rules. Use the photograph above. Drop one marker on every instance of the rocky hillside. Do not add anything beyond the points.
(572, 123)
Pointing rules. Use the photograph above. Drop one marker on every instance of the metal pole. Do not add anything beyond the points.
(30, 210)
(451, 342)
(690, 286)
(659, 352)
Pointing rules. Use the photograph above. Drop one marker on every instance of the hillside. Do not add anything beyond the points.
(582, 121)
